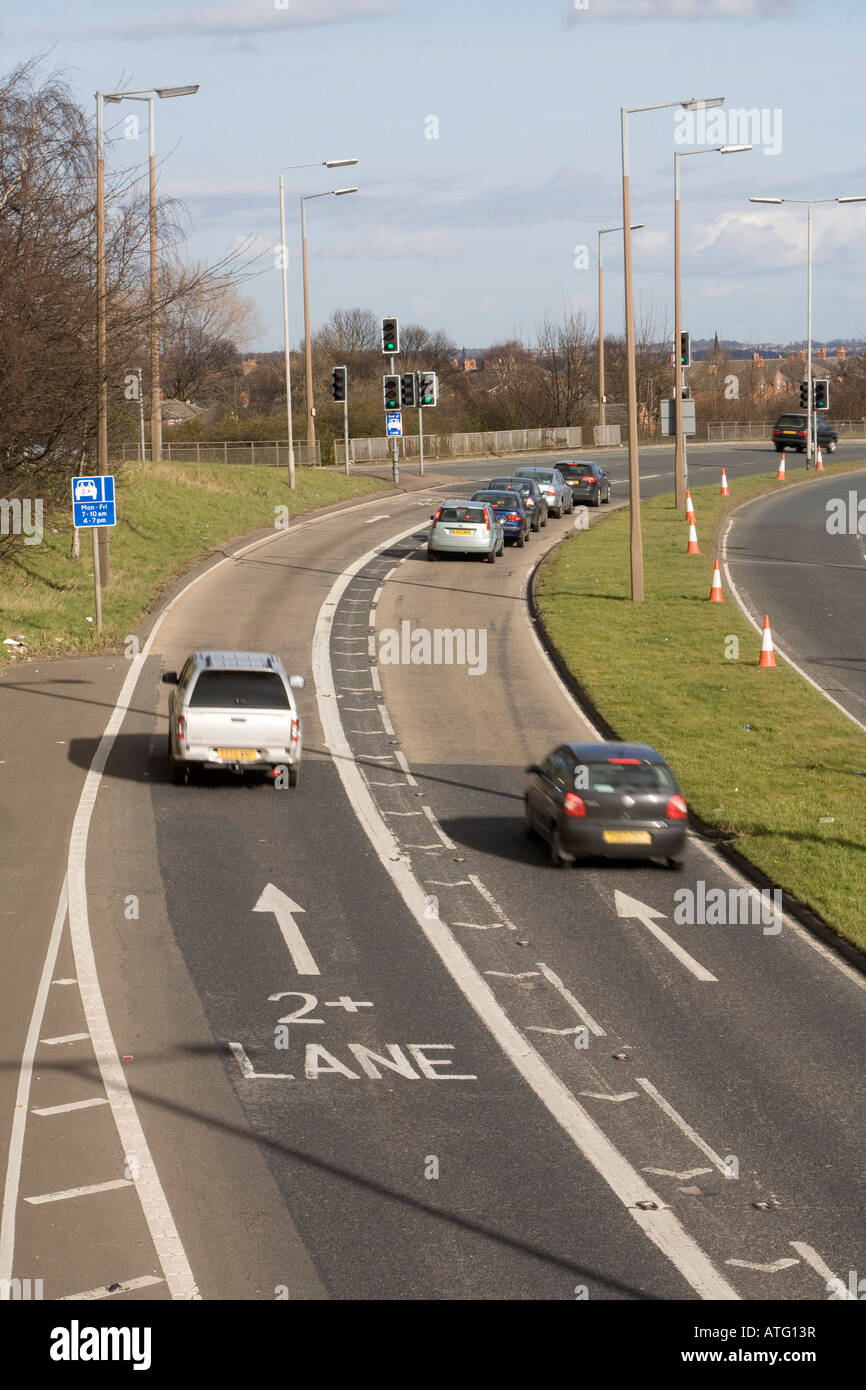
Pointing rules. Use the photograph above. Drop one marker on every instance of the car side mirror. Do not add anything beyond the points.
(296, 682)
(169, 678)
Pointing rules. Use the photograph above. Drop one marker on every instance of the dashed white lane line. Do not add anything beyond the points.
(814, 1261)
(661, 1226)
(374, 674)
(681, 1124)
(88, 1191)
(386, 721)
(401, 759)
(67, 1038)
(585, 1017)
(489, 898)
(437, 828)
(128, 1286)
(73, 1105)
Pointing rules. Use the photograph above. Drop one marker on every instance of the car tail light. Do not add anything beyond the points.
(677, 809)
(437, 516)
(296, 729)
(573, 805)
(530, 502)
(588, 478)
(513, 516)
(487, 518)
(181, 728)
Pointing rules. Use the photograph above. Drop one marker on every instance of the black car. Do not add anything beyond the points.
(589, 482)
(533, 498)
(616, 800)
(789, 432)
(510, 513)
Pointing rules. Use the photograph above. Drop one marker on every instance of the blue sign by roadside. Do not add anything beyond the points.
(93, 501)
(393, 423)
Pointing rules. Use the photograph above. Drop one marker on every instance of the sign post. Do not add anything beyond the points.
(93, 506)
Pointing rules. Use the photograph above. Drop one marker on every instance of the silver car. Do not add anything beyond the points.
(234, 710)
(467, 528)
(553, 486)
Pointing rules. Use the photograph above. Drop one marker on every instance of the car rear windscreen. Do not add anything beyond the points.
(251, 689)
(576, 470)
(791, 421)
(472, 515)
(500, 500)
(627, 777)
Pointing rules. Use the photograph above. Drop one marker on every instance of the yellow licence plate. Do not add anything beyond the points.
(789, 431)
(461, 533)
(627, 837)
(237, 755)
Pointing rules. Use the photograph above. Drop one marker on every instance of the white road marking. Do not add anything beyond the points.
(436, 847)
(377, 595)
(661, 1227)
(775, 1268)
(632, 907)
(64, 982)
(437, 828)
(685, 1176)
(479, 926)
(80, 1191)
(681, 1124)
(73, 1105)
(604, 1095)
(556, 1033)
(371, 620)
(400, 782)
(813, 1259)
(511, 975)
(401, 759)
(68, 1038)
(386, 722)
(371, 650)
(446, 882)
(248, 1071)
(489, 899)
(273, 900)
(374, 671)
(127, 1286)
(569, 998)
(384, 516)
(359, 709)
(401, 813)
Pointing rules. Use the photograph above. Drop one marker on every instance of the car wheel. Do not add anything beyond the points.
(491, 556)
(597, 502)
(831, 447)
(558, 857)
(778, 448)
(607, 498)
(521, 541)
(544, 522)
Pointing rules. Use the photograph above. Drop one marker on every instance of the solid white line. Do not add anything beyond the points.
(569, 998)
(437, 828)
(127, 1286)
(660, 1226)
(80, 1191)
(73, 1105)
(681, 1124)
(67, 1038)
(489, 899)
(813, 1259)
(22, 1096)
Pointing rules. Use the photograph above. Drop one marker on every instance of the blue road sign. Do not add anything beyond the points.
(93, 501)
(393, 423)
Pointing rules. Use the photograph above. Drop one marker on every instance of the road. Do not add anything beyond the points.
(500, 1080)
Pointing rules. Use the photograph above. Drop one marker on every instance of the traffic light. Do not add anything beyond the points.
(392, 392)
(339, 383)
(390, 335)
(685, 350)
(804, 395)
(821, 387)
(428, 388)
(409, 389)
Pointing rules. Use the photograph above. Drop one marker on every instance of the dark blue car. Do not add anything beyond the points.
(510, 513)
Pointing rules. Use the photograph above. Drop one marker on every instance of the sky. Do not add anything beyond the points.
(488, 140)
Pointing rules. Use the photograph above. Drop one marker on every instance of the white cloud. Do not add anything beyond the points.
(243, 18)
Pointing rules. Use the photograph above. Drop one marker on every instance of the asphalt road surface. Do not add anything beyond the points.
(360, 1039)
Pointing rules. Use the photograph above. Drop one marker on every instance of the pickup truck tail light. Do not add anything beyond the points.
(296, 729)
(181, 728)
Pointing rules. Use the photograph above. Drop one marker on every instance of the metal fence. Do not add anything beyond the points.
(447, 446)
(251, 452)
(763, 429)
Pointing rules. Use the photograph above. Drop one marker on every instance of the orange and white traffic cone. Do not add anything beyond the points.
(819, 465)
(780, 476)
(716, 586)
(693, 548)
(726, 492)
(768, 656)
(690, 507)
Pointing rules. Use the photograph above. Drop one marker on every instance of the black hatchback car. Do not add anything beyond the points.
(589, 482)
(614, 800)
(789, 432)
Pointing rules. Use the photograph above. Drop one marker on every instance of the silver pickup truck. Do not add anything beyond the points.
(234, 710)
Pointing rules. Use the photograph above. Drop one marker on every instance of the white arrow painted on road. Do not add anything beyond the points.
(633, 907)
(277, 902)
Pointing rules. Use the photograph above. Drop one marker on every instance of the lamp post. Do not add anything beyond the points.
(601, 397)
(635, 538)
(680, 465)
(145, 94)
(809, 202)
(308, 350)
(284, 255)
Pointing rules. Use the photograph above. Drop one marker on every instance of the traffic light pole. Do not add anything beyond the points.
(395, 465)
(420, 434)
(346, 429)
(809, 410)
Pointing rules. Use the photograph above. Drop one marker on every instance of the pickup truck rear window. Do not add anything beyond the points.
(228, 689)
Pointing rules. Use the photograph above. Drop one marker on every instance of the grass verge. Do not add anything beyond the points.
(168, 514)
(758, 752)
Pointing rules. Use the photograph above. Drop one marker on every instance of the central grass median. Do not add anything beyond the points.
(168, 515)
(759, 753)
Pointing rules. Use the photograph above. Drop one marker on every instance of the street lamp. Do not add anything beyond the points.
(635, 539)
(308, 351)
(327, 164)
(808, 202)
(680, 465)
(601, 397)
(143, 94)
